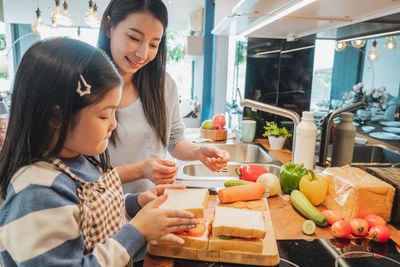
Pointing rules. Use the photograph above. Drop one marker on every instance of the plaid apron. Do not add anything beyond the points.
(102, 206)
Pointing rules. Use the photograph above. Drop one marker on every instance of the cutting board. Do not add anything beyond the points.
(269, 257)
(287, 221)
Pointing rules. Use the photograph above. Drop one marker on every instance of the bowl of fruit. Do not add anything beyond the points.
(214, 129)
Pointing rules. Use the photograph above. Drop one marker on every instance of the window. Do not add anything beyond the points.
(179, 65)
(5, 82)
(322, 76)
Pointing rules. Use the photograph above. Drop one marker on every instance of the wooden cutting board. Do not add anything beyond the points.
(269, 257)
(287, 221)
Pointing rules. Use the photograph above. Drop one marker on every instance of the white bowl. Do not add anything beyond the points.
(367, 129)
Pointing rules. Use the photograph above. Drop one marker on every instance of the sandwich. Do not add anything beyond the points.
(237, 230)
(193, 200)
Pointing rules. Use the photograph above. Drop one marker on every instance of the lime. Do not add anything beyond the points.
(308, 227)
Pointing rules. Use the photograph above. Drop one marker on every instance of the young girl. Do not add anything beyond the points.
(63, 202)
(133, 34)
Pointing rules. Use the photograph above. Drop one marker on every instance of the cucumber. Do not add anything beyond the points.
(224, 237)
(236, 182)
(308, 227)
(304, 206)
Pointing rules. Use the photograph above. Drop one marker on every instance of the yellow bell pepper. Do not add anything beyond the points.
(314, 186)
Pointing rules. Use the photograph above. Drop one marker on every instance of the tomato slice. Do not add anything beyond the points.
(181, 232)
(198, 230)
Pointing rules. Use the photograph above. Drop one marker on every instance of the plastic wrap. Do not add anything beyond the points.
(357, 193)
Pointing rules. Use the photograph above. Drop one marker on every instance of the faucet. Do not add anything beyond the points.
(255, 105)
(326, 126)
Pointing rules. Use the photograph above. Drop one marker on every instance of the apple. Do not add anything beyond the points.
(207, 124)
(217, 127)
(219, 119)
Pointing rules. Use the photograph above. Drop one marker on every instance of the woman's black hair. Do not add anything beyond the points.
(45, 103)
(149, 80)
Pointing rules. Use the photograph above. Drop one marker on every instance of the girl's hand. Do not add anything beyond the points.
(160, 171)
(155, 224)
(213, 158)
(155, 192)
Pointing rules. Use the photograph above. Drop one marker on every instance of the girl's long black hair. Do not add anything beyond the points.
(45, 103)
(149, 80)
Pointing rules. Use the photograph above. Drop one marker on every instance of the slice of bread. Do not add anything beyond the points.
(193, 200)
(238, 223)
(236, 244)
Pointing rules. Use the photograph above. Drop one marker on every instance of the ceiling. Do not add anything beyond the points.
(23, 11)
(319, 16)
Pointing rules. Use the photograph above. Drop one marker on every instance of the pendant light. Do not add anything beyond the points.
(391, 44)
(56, 14)
(358, 43)
(373, 55)
(38, 26)
(66, 17)
(340, 46)
(91, 17)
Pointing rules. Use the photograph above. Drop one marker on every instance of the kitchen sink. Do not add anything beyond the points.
(201, 172)
(239, 154)
(374, 155)
(248, 153)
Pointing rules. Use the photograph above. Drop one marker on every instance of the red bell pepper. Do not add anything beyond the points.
(250, 172)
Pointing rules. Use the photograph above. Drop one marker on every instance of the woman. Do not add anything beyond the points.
(133, 34)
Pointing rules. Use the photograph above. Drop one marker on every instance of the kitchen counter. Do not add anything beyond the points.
(395, 145)
(320, 250)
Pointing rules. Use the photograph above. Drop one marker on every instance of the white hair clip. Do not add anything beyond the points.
(87, 86)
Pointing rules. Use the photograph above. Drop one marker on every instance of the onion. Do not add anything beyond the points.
(271, 183)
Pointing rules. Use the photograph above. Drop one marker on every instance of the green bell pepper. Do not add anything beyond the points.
(290, 176)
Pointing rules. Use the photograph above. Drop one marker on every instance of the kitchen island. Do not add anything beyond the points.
(293, 245)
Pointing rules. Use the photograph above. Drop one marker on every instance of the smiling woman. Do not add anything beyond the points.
(133, 34)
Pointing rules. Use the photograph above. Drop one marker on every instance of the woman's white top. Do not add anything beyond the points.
(138, 142)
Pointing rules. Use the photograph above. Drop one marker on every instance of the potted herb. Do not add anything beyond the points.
(276, 135)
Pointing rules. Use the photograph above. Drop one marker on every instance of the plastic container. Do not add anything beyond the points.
(343, 142)
(306, 136)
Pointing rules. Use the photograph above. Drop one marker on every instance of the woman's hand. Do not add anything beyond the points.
(156, 224)
(213, 158)
(155, 192)
(160, 171)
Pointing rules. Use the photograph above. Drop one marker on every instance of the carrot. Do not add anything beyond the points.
(239, 205)
(245, 192)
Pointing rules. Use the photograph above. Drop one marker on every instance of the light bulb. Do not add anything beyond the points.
(53, 22)
(373, 55)
(90, 12)
(340, 46)
(56, 14)
(391, 44)
(38, 26)
(358, 43)
(66, 19)
(91, 17)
